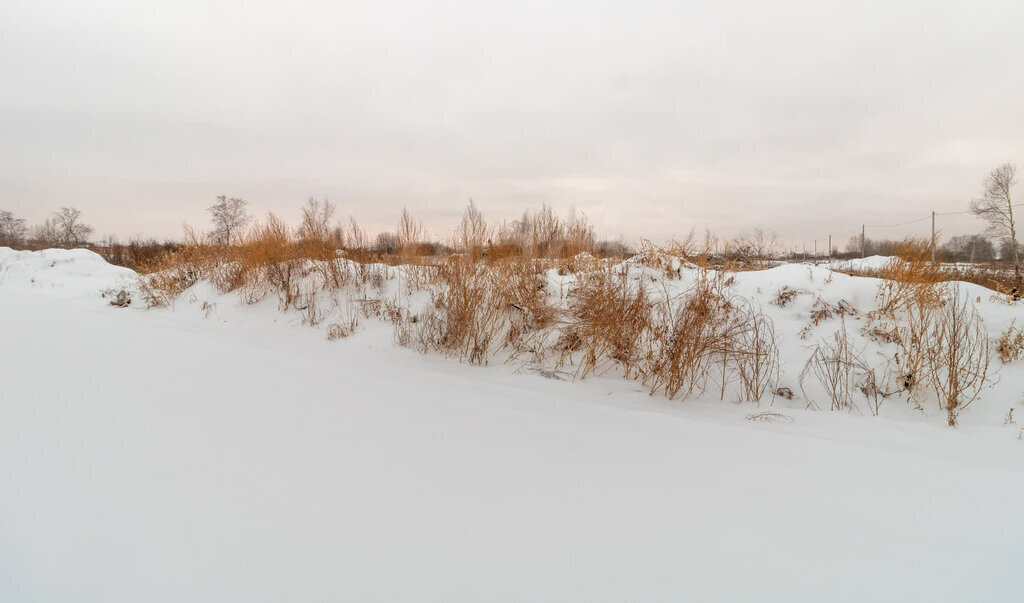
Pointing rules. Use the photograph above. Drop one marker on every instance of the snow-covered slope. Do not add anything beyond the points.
(231, 455)
(67, 272)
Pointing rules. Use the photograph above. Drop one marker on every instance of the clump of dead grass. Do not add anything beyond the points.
(709, 327)
(1010, 344)
(611, 316)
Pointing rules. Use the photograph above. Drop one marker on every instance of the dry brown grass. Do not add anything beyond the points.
(465, 317)
(165, 276)
(1010, 344)
(784, 296)
(611, 317)
(913, 265)
(910, 279)
(708, 327)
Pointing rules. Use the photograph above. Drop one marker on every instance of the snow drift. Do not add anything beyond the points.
(219, 450)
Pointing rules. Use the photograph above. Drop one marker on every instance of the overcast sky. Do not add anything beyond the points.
(807, 118)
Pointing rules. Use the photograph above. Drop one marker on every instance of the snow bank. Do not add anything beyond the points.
(69, 272)
(872, 262)
(179, 458)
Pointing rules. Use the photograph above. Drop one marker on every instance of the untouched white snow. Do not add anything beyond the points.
(873, 262)
(163, 456)
(64, 272)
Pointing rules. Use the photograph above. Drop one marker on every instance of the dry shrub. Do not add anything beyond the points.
(911, 278)
(339, 331)
(373, 276)
(165, 276)
(465, 316)
(959, 355)
(705, 328)
(160, 288)
(319, 242)
(913, 326)
(1010, 344)
(670, 259)
(840, 370)
(784, 296)
(757, 356)
(751, 250)
(270, 262)
(544, 235)
(822, 311)
(520, 287)
(610, 319)
(415, 277)
(910, 297)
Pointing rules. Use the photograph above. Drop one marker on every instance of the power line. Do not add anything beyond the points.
(938, 213)
(900, 224)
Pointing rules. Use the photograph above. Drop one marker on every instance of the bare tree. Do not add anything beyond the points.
(386, 243)
(12, 230)
(316, 223)
(44, 234)
(472, 232)
(229, 217)
(410, 233)
(70, 231)
(996, 208)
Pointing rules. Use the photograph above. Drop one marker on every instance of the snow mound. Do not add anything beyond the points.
(73, 272)
(873, 262)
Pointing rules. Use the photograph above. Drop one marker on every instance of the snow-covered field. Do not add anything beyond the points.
(234, 455)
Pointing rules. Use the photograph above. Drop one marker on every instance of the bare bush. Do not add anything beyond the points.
(753, 249)
(833, 365)
(959, 355)
(319, 242)
(757, 356)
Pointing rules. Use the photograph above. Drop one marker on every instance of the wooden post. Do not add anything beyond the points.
(933, 237)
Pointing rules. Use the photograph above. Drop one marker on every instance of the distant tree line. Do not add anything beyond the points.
(63, 228)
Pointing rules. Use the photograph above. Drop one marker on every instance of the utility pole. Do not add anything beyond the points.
(933, 237)
(815, 248)
(830, 247)
(863, 250)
